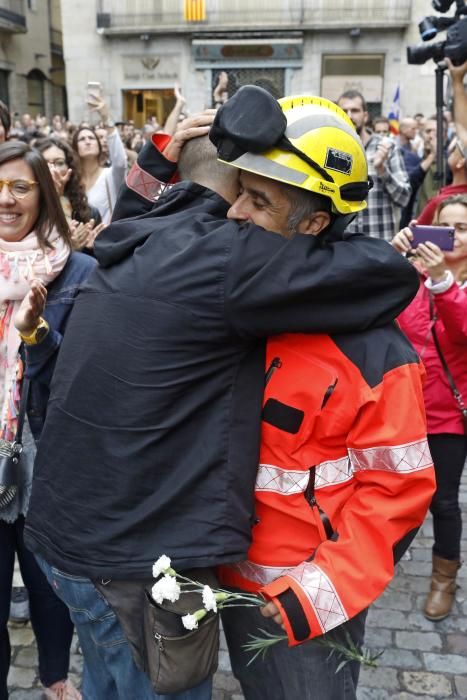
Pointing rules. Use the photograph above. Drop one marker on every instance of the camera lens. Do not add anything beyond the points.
(427, 29)
(421, 54)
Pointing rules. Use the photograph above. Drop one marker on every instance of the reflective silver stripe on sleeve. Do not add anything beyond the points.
(260, 574)
(322, 595)
(290, 481)
(285, 481)
(402, 459)
(144, 184)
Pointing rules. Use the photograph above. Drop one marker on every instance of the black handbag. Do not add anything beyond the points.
(10, 454)
(455, 391)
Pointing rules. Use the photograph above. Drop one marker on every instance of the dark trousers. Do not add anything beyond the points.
(50, 618)
(449, 452)
(304, 672)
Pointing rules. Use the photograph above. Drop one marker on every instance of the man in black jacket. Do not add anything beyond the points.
(151, 441)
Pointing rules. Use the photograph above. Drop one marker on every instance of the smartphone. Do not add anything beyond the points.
(93, 89)
(442, 236)
(387, 141)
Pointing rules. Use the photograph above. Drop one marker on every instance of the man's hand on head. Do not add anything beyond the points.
(190, 128)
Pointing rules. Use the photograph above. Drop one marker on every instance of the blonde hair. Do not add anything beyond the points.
(453, 199)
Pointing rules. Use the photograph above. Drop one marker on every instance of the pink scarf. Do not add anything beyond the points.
(20, 263)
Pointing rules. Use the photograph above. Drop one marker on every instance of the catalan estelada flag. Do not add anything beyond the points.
(394, 113)
(194, 10)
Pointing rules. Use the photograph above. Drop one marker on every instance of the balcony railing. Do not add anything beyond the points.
(155, 16)
(12, 16)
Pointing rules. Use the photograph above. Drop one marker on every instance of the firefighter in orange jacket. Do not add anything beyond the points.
(345, 475)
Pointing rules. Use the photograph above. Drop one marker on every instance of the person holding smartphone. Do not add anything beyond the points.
(437, 318)
(101, 184)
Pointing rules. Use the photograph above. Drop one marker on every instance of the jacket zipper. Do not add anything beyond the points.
(275, 364)
(328, 393)
(321, 519)
(158, 637)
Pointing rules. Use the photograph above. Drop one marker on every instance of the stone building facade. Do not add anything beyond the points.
(32, 71)
(138, 50)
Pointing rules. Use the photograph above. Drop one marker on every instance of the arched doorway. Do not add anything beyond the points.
(36, 92)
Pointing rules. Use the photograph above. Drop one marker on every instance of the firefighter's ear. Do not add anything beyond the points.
(315, 223)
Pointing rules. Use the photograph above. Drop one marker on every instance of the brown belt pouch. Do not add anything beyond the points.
(174, 658)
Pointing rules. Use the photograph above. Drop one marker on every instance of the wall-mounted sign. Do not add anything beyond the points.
(247, 49)
(151, 68)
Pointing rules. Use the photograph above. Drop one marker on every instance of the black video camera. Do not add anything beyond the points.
(455, 45)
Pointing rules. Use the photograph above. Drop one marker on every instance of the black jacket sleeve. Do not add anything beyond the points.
(307, 285)
(148, 175)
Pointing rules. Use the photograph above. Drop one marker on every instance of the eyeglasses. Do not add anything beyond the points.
(18, 188)
(58, 162)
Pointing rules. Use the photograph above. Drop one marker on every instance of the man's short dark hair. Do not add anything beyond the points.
(303, 204)
(351, 95)
(381, 119)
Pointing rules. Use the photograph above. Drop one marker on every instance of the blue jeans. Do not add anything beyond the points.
(304, 672)
(109, 669)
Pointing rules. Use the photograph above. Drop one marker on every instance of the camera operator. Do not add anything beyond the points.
(457, 149)
(459, 97)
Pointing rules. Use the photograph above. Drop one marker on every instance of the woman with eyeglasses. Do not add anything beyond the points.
(436, 324)
(101, 184)
(39, 279)
(84, 219)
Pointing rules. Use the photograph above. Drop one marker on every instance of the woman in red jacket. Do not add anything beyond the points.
(441, 304)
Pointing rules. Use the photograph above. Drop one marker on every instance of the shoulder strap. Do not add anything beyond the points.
(456, 393)
(22, 409)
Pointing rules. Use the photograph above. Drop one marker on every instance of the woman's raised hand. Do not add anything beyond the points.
(433, 260)
(97, 104)
(60, 179)
(83, 235)
(402, 241)
(31, 308)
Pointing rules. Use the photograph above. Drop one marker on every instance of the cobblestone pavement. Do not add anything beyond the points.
(422, 660)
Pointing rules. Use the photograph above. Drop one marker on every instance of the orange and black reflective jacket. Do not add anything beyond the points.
(345, 475)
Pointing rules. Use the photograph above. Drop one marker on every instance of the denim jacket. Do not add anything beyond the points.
(40, 359)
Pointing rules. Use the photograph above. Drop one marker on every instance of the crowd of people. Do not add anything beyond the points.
(183, 304)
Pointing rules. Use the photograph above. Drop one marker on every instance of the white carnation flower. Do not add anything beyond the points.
(166, 588)
(190, 622)
(209, 600)
(161, 565)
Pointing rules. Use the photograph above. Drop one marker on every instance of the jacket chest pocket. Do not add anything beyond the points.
(297, 389)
